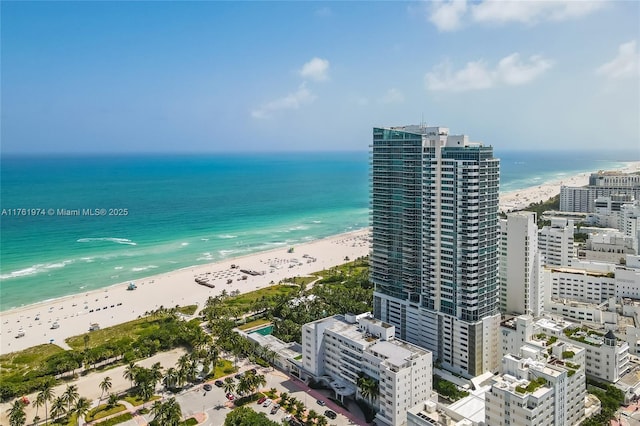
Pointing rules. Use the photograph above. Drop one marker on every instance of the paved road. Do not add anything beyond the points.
(212, 405)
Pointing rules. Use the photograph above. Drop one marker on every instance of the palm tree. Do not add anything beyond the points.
(44, 396)
(57, 408)
(82, 407)
(156, 373)
(299, 408)
(228, 385)
(105, 385)
(313, 415)
(170, 378)
(17, 417)
(322, 421)
(70, 396)
(284, 398)
(172, 412)
(112, 401)
(369, 388)
(130, 372)
(157, 411)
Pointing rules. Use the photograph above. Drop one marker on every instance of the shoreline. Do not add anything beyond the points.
(108, 306)
(113, 304)
(522, 198)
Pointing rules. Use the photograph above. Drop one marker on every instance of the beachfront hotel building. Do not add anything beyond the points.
(521, 289)
(601, 184)
(339, 349)
(435, 240)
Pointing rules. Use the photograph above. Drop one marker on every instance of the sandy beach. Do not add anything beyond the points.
(54, 321)
(517, 200)
(74, 314)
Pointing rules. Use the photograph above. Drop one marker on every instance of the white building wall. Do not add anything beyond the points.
(555, 242)
(521, 289)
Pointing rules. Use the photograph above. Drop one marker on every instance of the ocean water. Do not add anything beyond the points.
(152, 214)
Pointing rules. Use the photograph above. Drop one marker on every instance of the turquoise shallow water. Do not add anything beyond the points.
(188, 209)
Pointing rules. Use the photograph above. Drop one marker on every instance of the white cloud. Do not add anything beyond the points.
(316, 69)
(450, 14)
(293, 100)
(393, 96)
(446, 16)
(477, 75)
(625, 64)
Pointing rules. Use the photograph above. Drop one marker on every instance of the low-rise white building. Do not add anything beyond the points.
(341, 348)
(606, 357)
(549, 391)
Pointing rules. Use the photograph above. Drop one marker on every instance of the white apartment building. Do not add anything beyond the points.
(338, 349)
(543, 391)
(521, 289)
(580, 285)
(606, 358)
(555, 242)
(574, 199)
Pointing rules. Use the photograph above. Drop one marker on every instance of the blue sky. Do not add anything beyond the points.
(93, 77)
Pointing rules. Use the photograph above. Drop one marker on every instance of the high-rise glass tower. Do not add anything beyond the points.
(434, 257)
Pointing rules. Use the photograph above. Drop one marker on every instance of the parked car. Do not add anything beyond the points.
(331, 414)
(207, 387)
(321, 403)
(218, 383)
(275, 408)
(261, 400)
(267, 403)
(238, 376)
(230, 397)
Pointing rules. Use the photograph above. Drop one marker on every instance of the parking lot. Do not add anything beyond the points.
(216, 406)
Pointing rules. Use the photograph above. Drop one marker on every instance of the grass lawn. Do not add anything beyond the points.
(188, 310)
(135, 400)
(27, 360)
(254, 323)
(117, 420)
(102, 411)
(244, 301)
(189, 422)
(224, 368)
(132, 329)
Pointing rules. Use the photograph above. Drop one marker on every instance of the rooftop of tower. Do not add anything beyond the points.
(436, 133)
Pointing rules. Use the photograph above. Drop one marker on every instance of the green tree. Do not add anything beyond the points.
(170, 379)
(228, 385)
(70, 396)
(112, 400)
(58, 408)
(130, 372)
(312, 416)
(82, 408)
(17, 417)
(245, 416)
(167, 413)
(105, 385)
(44, 397)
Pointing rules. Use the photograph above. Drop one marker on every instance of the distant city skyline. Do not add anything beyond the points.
(108, 77)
